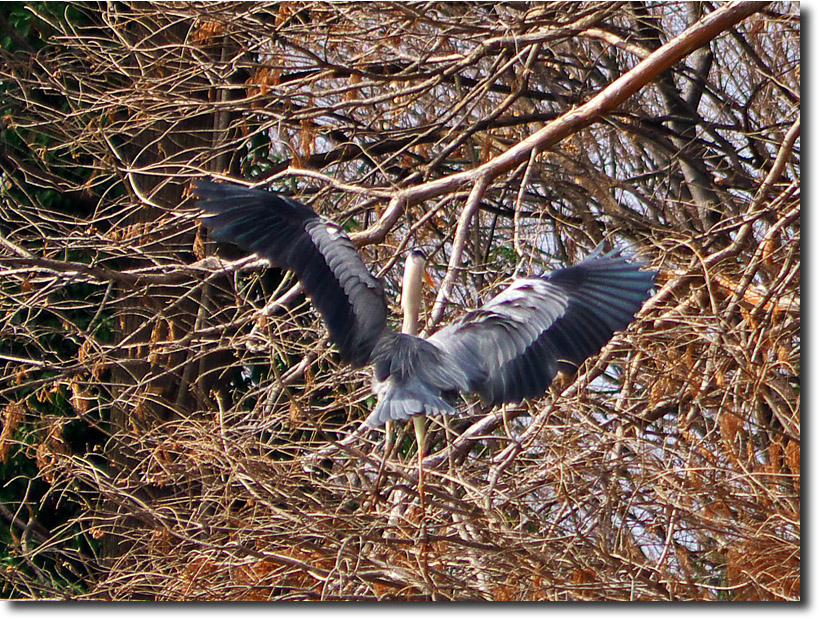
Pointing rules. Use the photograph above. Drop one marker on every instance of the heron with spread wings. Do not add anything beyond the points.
(506, 351)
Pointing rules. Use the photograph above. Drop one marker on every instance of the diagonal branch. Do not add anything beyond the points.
(572, 121)
(458, 243)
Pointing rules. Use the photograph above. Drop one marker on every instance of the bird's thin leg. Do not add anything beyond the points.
(388, 444)
(419, 421)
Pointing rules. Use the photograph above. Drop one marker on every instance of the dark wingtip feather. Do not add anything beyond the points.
(292, 236)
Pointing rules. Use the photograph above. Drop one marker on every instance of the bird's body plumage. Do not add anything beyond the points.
(508, 350)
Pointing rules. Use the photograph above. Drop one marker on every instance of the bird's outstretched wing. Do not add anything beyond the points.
(514, 345)
(292, 236)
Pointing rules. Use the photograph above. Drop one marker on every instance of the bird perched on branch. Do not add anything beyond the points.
(508, 350)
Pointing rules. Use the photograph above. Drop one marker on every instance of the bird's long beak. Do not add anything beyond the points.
(428, 279)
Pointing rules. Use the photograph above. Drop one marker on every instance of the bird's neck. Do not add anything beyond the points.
(411, 295)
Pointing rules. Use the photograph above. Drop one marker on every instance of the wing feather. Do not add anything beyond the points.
(292, 236)
(513, 346)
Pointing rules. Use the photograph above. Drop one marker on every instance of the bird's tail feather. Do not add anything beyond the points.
(396, 402)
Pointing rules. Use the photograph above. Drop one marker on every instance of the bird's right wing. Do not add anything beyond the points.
(292, 236)
(513, 346)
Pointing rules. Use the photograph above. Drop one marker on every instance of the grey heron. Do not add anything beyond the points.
(506, 351)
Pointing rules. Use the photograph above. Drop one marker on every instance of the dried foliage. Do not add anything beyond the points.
(175, 424)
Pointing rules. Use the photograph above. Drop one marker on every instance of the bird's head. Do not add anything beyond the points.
(416, 266)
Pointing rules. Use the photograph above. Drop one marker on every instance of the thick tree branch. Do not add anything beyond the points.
(572, 121)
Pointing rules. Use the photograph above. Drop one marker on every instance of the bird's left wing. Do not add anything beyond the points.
(293, 236)
(513, 346)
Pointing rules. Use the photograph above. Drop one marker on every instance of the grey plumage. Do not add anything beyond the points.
(292, 236)
(538, 325)
(507, 351)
